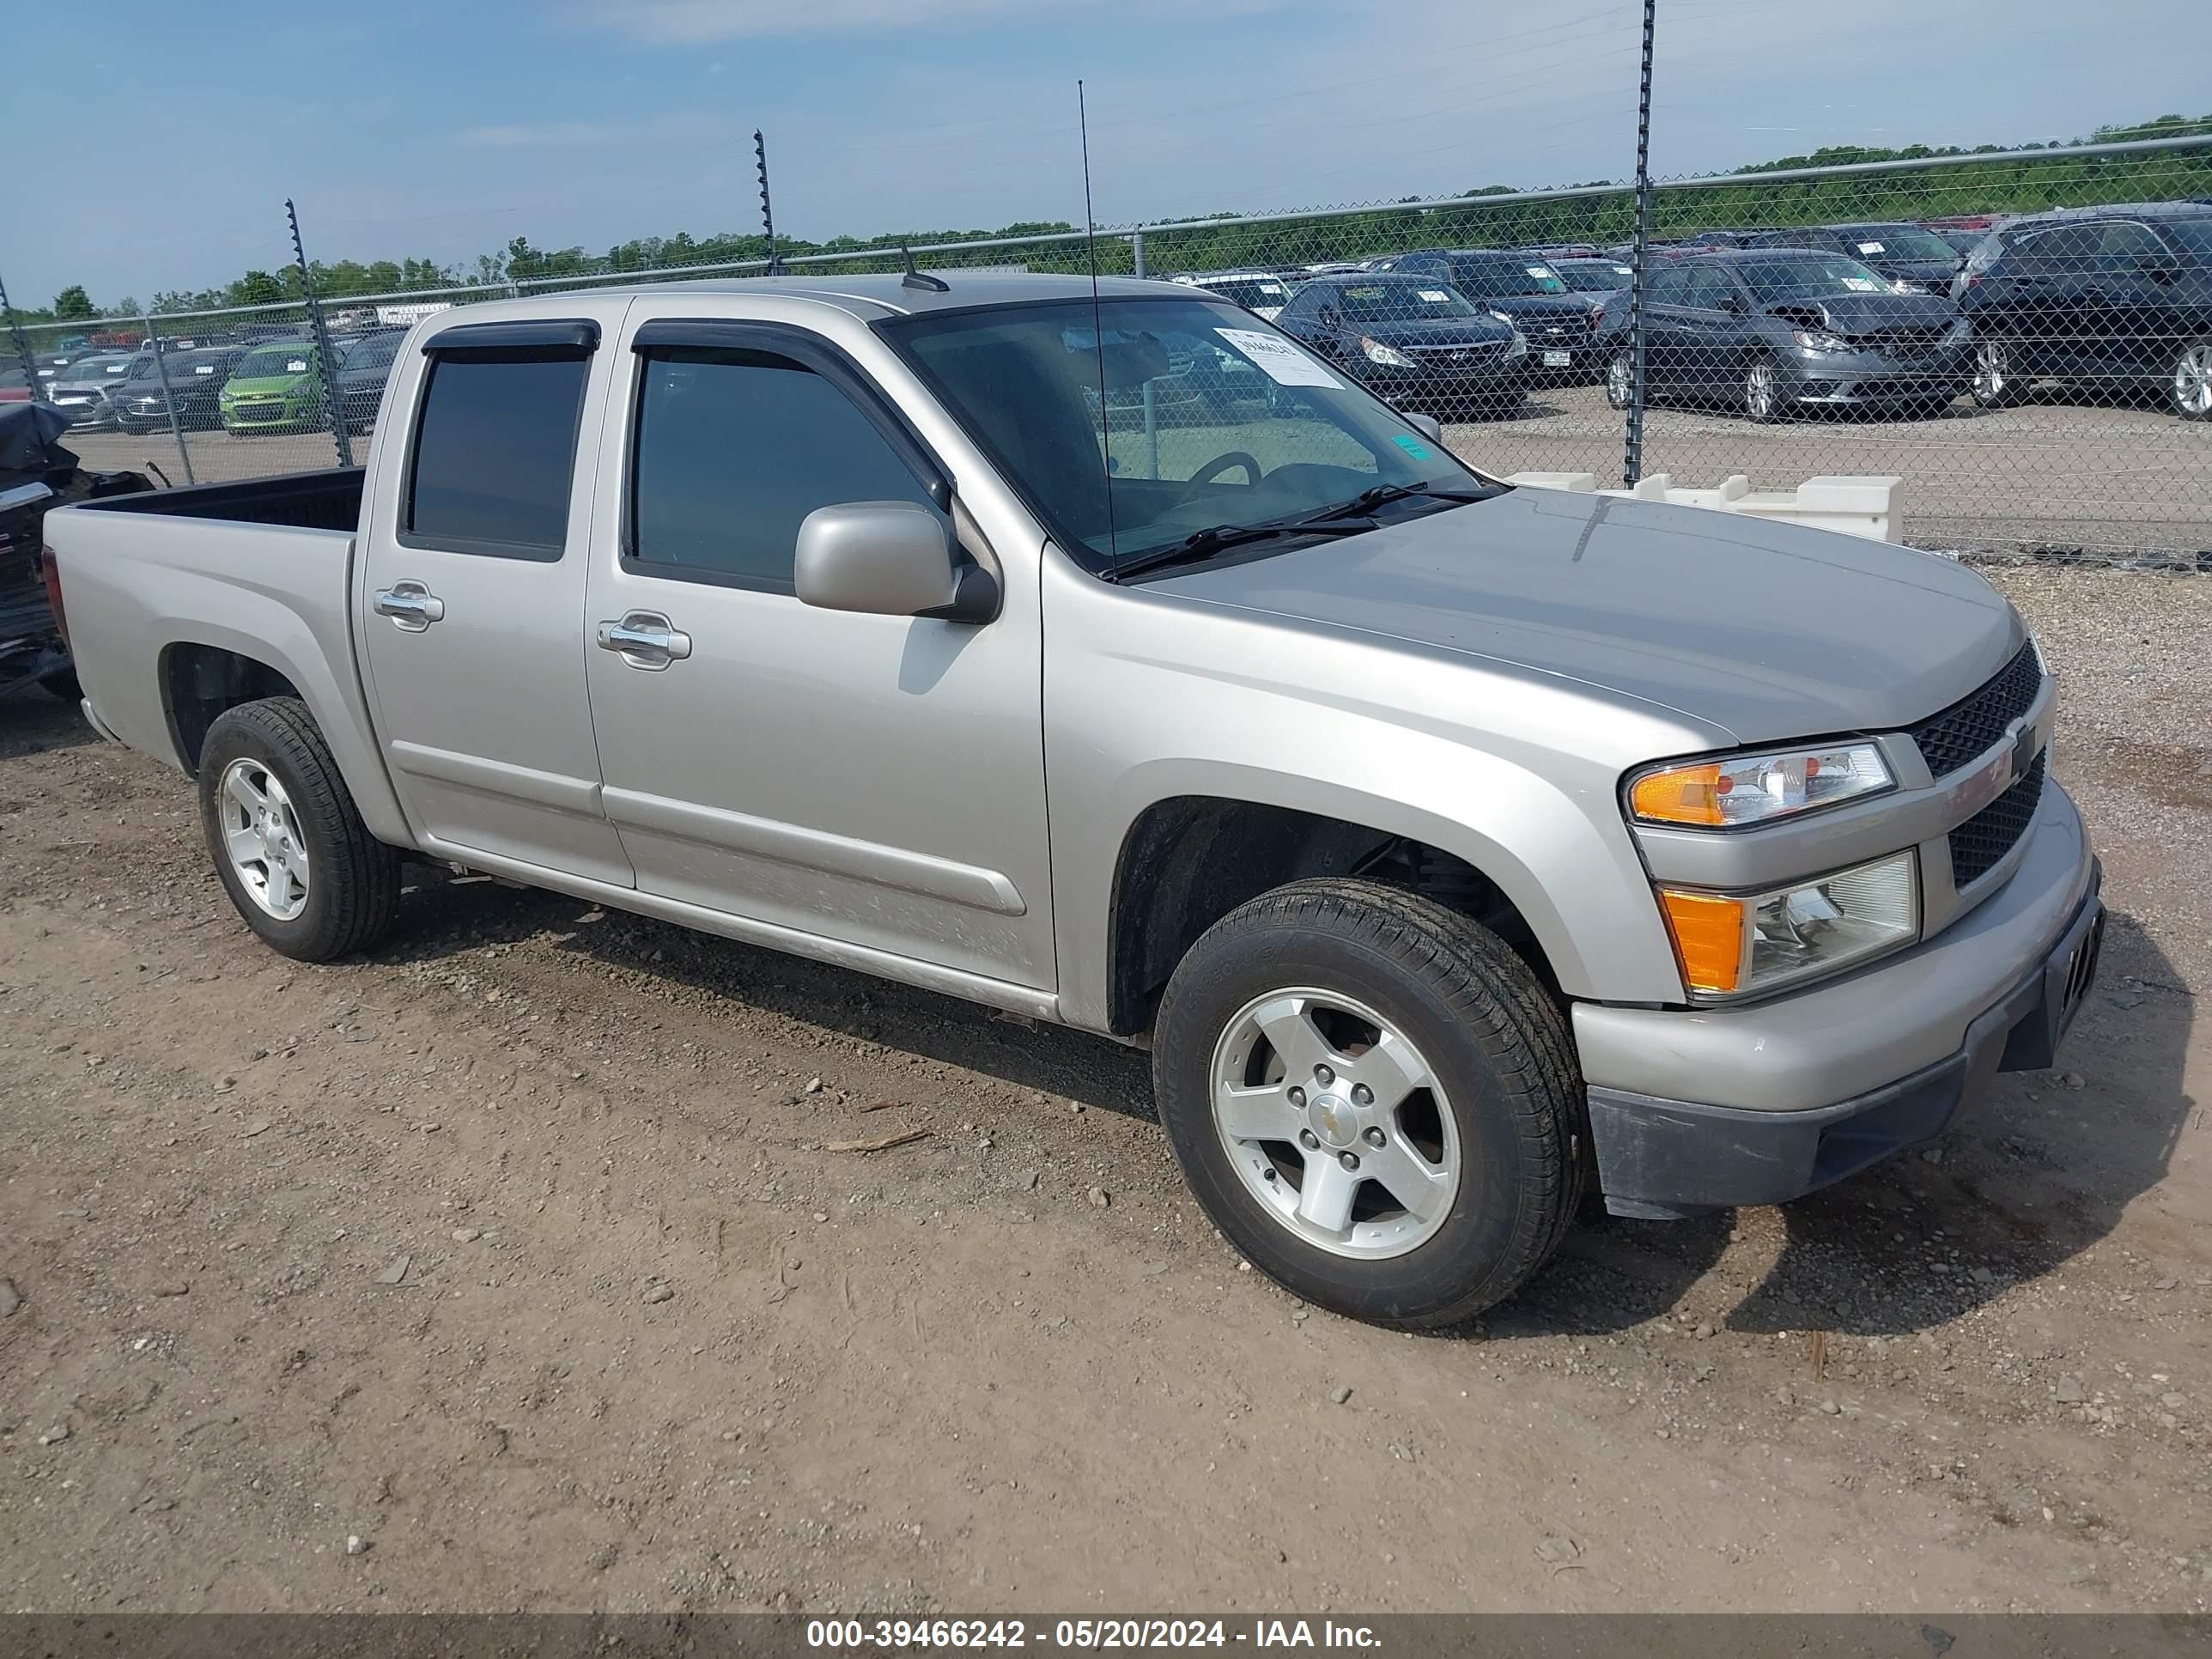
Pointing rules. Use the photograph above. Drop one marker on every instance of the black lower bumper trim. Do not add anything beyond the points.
(1663, 1159)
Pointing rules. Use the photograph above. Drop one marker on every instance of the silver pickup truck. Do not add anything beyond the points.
(1108, 659)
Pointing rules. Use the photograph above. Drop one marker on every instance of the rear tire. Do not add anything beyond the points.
(1996, 383)
(2189, 387)
(1349, 972)
(350, 879)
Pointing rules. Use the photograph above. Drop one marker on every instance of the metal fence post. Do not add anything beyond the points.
(1633, 463)
(1151, 398)
(22, 346)
(168, 398)
(338, 434)
(1137, 251)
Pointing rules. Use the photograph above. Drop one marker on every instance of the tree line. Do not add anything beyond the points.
(2027, 184)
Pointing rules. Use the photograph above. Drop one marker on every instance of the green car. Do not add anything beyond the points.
(277, 387)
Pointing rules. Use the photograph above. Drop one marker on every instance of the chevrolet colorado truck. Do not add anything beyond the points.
(1452, 846)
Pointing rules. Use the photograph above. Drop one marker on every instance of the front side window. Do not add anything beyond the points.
(494, 450)
(1670, 286)
(1132, 425)
(734, 448)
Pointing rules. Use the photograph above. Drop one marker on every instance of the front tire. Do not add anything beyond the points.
(287, 842)
(1374, 1099)
(2189, 387)
(1620, 380)
(1766, 397)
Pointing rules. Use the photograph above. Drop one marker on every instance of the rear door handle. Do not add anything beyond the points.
(410, 605)
(645, 639)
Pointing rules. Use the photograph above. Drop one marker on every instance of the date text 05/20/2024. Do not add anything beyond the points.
(887, 1635)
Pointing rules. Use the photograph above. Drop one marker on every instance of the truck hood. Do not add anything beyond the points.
(1763, 631)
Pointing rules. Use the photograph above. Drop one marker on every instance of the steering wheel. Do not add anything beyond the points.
(1221, 464)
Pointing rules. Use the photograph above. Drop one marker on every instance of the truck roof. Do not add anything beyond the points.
(869, 297)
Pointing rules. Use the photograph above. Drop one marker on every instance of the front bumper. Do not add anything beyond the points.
(1861, 378)
(1448, 387)
(1822, 1084)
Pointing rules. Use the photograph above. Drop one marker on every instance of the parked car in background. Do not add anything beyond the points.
(14, 386)
(1415, 343)
(1776, 331)
(1961, 242)
(1262, 293)
(364, 365)
(1526, 291)
(1909, 259)
(196, 380)
(277, 387)
(80, 390)
(2117, 301)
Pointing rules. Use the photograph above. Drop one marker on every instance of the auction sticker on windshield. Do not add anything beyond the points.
(1434, 296)
(1279, 359)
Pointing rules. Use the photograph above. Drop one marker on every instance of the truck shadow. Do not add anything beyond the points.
(32, 722)
(2023, 1181)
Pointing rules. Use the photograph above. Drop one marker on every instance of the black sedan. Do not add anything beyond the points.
(1526, 291)
(1772, 332)
(1413, 342)
(1909, 258)
(196, 381)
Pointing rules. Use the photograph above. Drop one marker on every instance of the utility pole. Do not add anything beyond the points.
(1632, 464)
(767, 213)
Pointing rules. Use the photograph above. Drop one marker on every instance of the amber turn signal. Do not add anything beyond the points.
(1708, 935)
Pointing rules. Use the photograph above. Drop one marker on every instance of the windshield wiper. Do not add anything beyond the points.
(1203, 544)
(1368, 500)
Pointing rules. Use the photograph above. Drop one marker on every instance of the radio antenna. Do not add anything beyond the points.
(1097, 330)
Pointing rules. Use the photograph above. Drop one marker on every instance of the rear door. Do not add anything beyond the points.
(874, 781)
(2132, 328)
(1668, 337)
(472, 612)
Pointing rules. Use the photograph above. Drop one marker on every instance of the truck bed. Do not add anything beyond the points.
(327, 498)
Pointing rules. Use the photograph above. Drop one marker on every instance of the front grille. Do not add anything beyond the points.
(1468, 352)
(1911, 344)
(1977, 844)
(1971, 726)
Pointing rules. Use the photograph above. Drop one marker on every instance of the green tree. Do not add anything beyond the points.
(256, 288)
(74, 305)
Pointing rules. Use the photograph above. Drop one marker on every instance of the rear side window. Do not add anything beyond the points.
(734, 449)
(494, 452)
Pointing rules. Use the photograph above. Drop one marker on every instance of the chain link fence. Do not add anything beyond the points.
(2024, 338)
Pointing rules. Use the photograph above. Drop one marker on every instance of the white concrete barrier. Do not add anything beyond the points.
(1856, 506)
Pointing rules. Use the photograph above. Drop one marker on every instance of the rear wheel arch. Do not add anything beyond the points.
(201, 682)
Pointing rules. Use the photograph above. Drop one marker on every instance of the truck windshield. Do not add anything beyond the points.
(1206, 422)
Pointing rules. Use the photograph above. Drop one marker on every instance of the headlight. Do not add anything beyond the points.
(1814, 339)
(1735, 946)
(1505, 318)
(1387, 355)
(1745, 790)
(1518, 345)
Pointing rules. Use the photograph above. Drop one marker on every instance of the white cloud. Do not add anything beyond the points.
(542, 135)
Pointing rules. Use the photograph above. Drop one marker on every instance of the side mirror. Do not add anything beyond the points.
(1429, 427)
(889, 559)
(1328, 318)
(1732, 304)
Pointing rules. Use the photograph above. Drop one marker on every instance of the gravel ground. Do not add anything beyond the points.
(520, 1252)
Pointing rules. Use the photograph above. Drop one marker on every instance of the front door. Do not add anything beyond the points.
(471, 615)
(872, 780)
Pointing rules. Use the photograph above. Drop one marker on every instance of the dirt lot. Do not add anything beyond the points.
(520, 1254)
(2051, 473)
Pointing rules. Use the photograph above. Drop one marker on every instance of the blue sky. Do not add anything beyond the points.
(413, 129)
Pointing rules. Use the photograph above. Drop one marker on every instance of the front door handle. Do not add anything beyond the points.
(645, 639)
(410, 605)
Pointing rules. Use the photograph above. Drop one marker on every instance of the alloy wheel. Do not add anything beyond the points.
(2192, 381)
(1992, 373)
(1762, 392)
(1335, 1123)
(261, 835)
